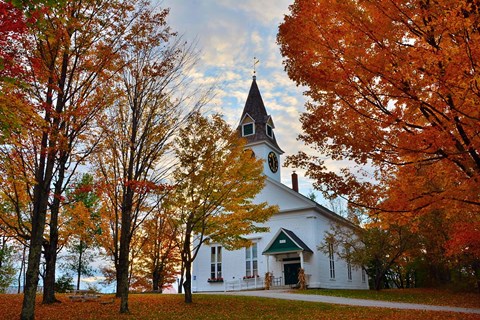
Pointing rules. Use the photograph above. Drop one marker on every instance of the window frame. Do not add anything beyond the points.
(349, 271)
(331, 258)
(248, 124)
(251, 261)
(349, 265)
(271, 130)
(216, 263)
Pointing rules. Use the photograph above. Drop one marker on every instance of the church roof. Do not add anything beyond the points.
(255, 109)
(281, 191)
(285, 241)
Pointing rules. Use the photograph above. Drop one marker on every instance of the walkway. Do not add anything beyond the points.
(281, 294)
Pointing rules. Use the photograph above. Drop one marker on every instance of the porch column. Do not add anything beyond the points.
(301, 260)
(268, 259)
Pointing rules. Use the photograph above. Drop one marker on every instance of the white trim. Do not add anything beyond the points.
(269, 144)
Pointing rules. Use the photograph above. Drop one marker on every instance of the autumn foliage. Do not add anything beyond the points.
(207, 307)
(215, 184)
(394, 93)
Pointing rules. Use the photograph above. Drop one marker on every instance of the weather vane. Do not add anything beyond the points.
(255, 61)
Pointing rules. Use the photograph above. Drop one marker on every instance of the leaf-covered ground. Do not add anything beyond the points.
(418, 295)
(151, 306)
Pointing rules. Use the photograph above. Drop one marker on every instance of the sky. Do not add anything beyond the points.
(230, 33)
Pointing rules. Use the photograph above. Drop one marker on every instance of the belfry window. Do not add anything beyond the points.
(269, 131)
(248, 129)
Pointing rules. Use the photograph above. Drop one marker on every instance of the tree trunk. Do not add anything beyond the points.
(40, 202)
(79, 268)
(52, 245)
(50, 256)
(124, 291)
(180, 281)
(31, 281)
(155, 279)
(123, 260)
(180, 284)
(187, 263)
(20, 272)
(123, 274)
(187, 285)
(161, 283)
(378, 280)
(118, 287)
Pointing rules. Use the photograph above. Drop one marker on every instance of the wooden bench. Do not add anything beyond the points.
(84, 295)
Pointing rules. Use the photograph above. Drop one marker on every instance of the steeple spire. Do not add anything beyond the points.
(255, 113)
(255, 61)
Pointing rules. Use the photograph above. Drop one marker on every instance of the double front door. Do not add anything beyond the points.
(290, 271)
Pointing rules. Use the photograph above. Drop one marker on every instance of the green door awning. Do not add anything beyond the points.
(285, 241)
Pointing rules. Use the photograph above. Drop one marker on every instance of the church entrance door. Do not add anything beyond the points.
(291, 273)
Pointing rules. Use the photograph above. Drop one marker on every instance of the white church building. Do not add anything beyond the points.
(295, 232)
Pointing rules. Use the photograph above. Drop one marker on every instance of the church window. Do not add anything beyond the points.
(248, 129)
(363, 275)
(349, 270)
(349, 265)
(269, 131)
(251, 261)
(331, 257)
(216, 263)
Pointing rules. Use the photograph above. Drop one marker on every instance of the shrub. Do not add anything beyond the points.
(64, 284)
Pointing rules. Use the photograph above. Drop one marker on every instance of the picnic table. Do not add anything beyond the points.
(84, 295)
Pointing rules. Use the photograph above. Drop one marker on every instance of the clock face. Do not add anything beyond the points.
(273, 162)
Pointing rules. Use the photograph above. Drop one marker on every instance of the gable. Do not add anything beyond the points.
(270, 122)
(282, 243)
(247, 119)
(285, 241)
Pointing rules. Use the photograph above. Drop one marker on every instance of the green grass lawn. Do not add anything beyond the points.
(441, 297)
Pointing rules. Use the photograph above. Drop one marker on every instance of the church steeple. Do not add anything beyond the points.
(257, 127)
(255, 124)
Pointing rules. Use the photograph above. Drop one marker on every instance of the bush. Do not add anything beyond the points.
(64, 284)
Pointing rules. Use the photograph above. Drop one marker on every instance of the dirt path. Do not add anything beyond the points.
(279, 294)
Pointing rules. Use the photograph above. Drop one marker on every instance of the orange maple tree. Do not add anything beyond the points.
(160, 254)
(393, 88)
(67, 88)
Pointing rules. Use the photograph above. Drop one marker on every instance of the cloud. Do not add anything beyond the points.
(265, 12)
(229, 34)
(93, 279)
